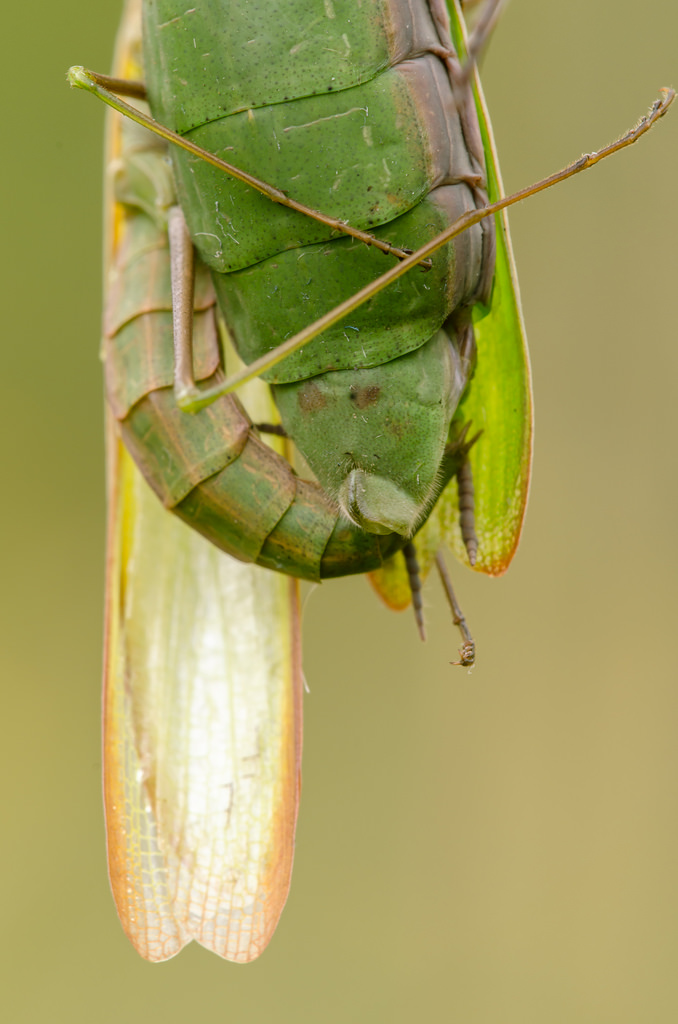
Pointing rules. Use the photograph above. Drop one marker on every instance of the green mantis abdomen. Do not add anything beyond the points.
(358, 111)
(350, 109)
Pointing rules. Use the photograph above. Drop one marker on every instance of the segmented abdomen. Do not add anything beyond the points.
(351, 109)
(211, 469)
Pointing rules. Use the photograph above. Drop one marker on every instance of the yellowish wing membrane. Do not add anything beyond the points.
(202, 712)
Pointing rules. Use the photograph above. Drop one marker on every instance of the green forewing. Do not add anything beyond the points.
(499, 400)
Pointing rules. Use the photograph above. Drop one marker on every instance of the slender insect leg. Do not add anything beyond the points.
(466, 491)
(487, 19)
(467, 651)
(483, 28)
(467, 509)
(414, 579)
(459, 448)
(183, 276)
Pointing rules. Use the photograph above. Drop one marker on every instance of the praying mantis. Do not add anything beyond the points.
(202, 762)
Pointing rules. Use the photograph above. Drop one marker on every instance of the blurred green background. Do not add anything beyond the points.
(498, 846)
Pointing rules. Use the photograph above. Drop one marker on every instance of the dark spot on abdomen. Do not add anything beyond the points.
(310, 398)
(362, 398)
